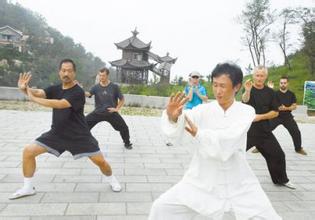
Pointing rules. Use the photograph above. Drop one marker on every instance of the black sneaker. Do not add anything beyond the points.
(128, 146)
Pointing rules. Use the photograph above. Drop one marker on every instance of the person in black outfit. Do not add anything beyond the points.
(264, 101)
(287, 101)
(108, 101)
(69, 130)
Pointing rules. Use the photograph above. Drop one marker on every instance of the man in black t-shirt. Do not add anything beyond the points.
(69, 130)
(264, 101)
(108, 101)
(287, 101)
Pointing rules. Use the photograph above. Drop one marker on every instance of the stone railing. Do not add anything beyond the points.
(12, 93)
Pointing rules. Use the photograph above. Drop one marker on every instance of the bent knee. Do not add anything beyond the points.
(29, 151)
(100, 161)
(32, 150)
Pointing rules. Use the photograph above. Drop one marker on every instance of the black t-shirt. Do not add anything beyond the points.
(69, 123)
(286, 99)
(263, 100)
(106, 97)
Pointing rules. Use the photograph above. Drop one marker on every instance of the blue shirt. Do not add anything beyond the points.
(195, 98)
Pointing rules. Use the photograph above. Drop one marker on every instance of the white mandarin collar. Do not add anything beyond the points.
(228, 111)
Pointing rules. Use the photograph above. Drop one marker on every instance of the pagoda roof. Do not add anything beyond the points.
(157, 58)
(168, 59)
(131, 64)
(133, 43)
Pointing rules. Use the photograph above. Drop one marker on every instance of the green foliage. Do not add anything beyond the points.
(161, 89)
(297, 75)
(43, 57)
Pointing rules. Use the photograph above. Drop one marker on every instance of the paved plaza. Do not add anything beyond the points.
(70, 189)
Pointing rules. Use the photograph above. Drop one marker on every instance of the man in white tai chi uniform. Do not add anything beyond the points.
(219, 178)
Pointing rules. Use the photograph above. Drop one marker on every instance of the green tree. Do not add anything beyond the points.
(256, 19)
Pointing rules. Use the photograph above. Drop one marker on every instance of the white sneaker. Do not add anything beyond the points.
(23, 192)
(289, 185)
(116, 187)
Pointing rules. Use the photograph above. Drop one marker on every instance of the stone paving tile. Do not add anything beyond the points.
(139, 207)
(147, 187)
(14, 218)
(126, 197)
(94, 187)
(123, 217)
(70, 189)
(34, 209)
(66, 197)
(75, 179)
(31, 199)
(64, 218)
(130, 179)
(96, 209)
(18, 178)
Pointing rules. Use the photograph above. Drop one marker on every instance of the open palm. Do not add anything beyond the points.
(175, 106)
(23, 81)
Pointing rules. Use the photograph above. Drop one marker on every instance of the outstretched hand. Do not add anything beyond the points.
(191, 128)
(175, 106)
(24, 80)
(270, 84)
(111, 110)
(248, 85)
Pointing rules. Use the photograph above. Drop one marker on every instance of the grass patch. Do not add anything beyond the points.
(30, 106)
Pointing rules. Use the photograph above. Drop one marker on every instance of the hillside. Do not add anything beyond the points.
(297, 76)
(46, 46)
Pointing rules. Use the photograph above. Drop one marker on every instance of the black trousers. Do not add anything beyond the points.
(114, 119)
(290, 124)
(270, 148)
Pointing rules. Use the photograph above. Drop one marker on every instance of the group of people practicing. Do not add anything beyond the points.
(70, 129)
(219, 178)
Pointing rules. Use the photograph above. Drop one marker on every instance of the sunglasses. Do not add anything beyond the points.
(195, 77)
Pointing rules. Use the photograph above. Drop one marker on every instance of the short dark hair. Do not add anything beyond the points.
(104, 70)
(232, 70)
(285, 77)
(68, 61)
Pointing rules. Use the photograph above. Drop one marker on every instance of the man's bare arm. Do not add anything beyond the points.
(40, 93)
(51, 103)
(246, 96)
(120, 104)
(266, 116)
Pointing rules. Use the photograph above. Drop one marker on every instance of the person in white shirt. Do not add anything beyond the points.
(219, 178)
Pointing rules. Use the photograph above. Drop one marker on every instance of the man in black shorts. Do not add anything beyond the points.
(69, 130)
(287, 102)
(108, 101)
(264, 101)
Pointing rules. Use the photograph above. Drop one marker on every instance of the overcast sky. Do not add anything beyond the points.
(200, 33)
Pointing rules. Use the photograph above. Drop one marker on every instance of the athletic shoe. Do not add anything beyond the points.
(23, 192)
(128, 146)
(116, 187)
(289, 185)
(301, 151)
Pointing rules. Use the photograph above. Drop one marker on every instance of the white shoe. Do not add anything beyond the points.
(23, 192)
(289, 185)
(116, 187)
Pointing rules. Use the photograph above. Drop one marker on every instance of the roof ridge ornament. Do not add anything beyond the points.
(135, 32)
